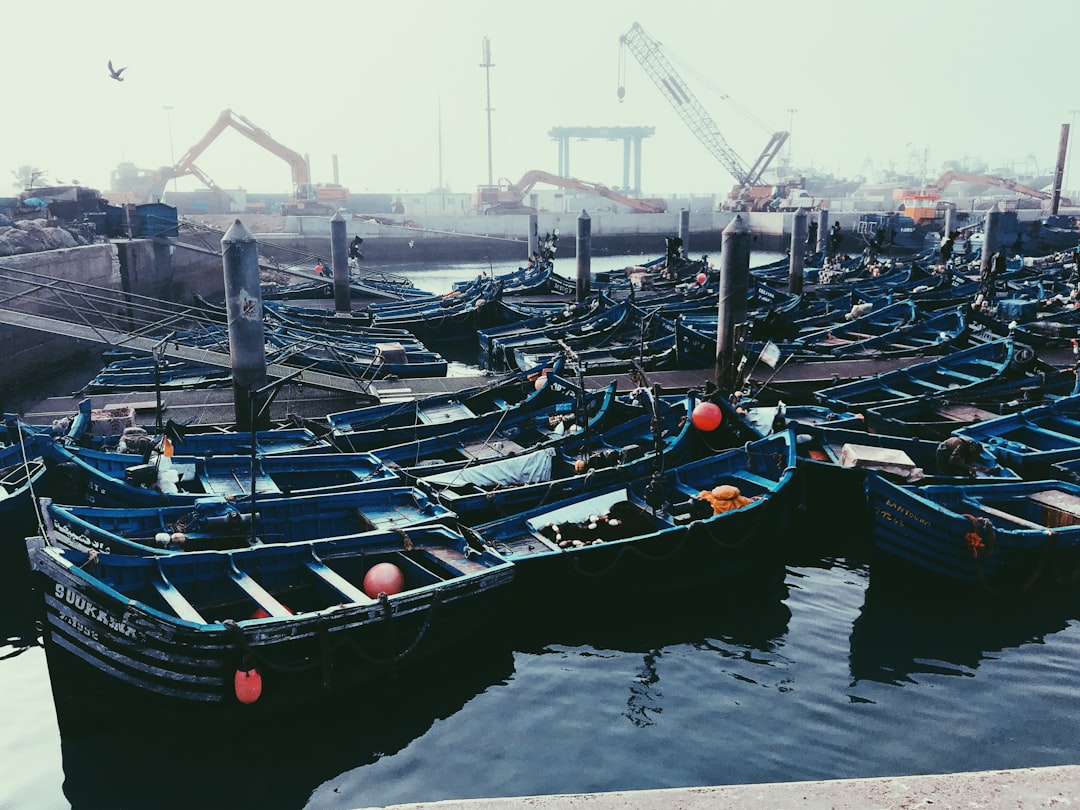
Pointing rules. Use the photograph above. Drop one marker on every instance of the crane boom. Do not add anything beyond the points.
(647, 51)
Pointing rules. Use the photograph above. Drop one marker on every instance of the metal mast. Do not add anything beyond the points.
(647, 51)
(487, 66)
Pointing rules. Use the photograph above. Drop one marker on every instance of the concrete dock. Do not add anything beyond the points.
(1026, 788)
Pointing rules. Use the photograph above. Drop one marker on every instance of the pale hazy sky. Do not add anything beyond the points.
(874, 84)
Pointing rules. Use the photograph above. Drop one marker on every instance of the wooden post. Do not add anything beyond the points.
(243, 304)
(797, 260)
(339, 258)
(584, 257)
(734, 284)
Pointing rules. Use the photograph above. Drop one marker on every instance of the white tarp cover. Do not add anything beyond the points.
(529, 468)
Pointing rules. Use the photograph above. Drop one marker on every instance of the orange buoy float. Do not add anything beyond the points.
(706, 416)
(247, 684)
(541, 381)
(382, 578)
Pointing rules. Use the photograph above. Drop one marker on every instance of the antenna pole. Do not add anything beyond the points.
(487, 66)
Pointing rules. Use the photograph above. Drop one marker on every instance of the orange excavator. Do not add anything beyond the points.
(509, 198)
(943, 182)
(306, 198)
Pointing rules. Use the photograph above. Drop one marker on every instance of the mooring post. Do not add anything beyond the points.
(584, 257)
(798, 252)
(534, 236)
(948, 224)
(991, 239)
(822, 231)
(243, 306)
(339, 258)
(731, 312)
(684, 230)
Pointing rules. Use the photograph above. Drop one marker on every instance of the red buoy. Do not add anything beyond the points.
(706, 416)
(385, 578)
(702, 278)
(247, 684)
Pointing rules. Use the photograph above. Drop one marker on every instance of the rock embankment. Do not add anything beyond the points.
(34, 235)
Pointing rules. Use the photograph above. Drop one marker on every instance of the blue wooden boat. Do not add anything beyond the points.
(562, 316)
(495, 489)
(1032, 439)
(656, 533)
(268, 625)
(96, 477)
(938, 417)
(581, 333)
(648, 355)
(834, 463)
(84, 428)
(220, 523)
(22, 468)
(1006, 536)
(512, 433)
(768, 419)
(962, 373)
(375, 426)
(935, 334)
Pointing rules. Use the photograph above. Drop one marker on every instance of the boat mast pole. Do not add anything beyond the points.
(270, 390)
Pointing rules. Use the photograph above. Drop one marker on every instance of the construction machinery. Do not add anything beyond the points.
(306, 197)
(648, 53)
(509, 198)
(922, 205)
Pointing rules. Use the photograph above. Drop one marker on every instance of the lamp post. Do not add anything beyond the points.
(791, 126)
(172, 152)
(1068, 171)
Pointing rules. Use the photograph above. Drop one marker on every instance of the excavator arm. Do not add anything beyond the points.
(154, 183)
(949, 177)
(519, 190)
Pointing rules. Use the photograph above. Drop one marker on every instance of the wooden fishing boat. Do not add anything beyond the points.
(368, 428)
(834, 463)
(219, 523)
(656, 532)
(959, 374)
(1004, 536)
(768, 419)
(587, 332)
(1032, 439)
(938, 417)
(22, 467)
(495, 489)
(268, 625)
(512, 433)
(935, 334)
(113, 430)
(565, 314)
(650, 355)
(94, 477)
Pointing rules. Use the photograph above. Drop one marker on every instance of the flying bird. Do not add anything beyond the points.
(114, 73)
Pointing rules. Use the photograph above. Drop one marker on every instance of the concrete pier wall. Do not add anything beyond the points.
(140, 267)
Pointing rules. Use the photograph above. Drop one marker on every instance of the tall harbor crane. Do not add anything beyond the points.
(648, 53)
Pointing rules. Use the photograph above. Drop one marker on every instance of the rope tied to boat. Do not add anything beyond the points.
(981, 535)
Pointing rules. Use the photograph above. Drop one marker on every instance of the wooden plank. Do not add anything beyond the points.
(259, 595)
(338, 582)
(176, 600)
(1019, 521)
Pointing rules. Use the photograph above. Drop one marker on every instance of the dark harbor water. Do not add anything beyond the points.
(814, 670)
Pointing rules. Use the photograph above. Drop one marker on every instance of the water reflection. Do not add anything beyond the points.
(20, 609)
(136, 756)
(742, 622)
(905, 631)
